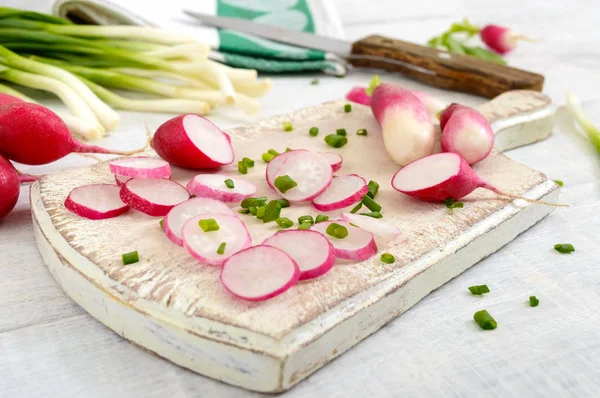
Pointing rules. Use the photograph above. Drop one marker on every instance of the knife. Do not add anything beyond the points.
(425, 64)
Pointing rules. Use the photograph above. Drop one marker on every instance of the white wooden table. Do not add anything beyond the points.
(51, 347)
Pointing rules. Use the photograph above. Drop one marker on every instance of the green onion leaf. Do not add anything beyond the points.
(284, 222)
(341, 132)
(130, 258)
(208, 224)
(242, 167)
(361, 132)
(479, 290)
(373, 189)
(485, 320)
(337, 231)
(267, 157)
(243, 211)
(305, 225)
(347, 108)
(272, 211)
(260, 212)
(249, 162)
(559, 183)
(314, 131)
(356, 208)
(308, 219)
(373, 85)
(284, 183)
(370, 203)
(533, 301)
(453, 204)
(229, 183)
(387, 258)
(336, 141)
(287, 126)
(321, 218)
(246, 203)
(221, 248)
(374, 214)
(576, 112)
(564, 248)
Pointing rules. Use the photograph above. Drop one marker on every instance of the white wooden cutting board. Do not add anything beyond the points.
(175, 307)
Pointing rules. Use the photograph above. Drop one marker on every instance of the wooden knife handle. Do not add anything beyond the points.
(441, 68)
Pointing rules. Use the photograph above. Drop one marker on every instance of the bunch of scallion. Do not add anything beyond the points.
(81, 64)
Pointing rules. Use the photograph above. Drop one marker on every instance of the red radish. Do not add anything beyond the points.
(140, 167)
(276, 162)
(377, 227)
(313, 252)
(192, 142)
(121, 180)
(9, 99)
(469, 134)
(344, 191)
(259, 273)
(444, 176)
(153, 196)
(449, 111)
(96, 201)
(180, 214)
(204, 245)
(359, 95)
(432, 104)
(311, 172)
(34, 135)
(213, 186)
(501, 39)
(9, 187)
(334, 160)
(359, 245)
(408, 133)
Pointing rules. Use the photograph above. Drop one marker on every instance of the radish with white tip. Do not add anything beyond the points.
(312, 251)
(376, 226)
(212, 238)
(501, 39)
(469, 134)
(357, 244)
(180, 214)
(221, 187)
(153, 196)
(140, 167)
(449, 111)
(343, 191)
(432, 104)
(303, 177)
(334, 160)
(276, 162)
(96, 201)
(259, 273)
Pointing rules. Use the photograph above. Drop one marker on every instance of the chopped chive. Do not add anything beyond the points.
(370, 203)
(340, 76)
(267, 157)
(229, 183)
(284, 183)
(373, 189)
(221, 248)
(272, 211)
(252, 210)
(243, 211)
(479, 290)
(559, 183)
(373, 85)
(356, 208)
(387, 258)
(284, 222)
(354, 225)
(315, 82)
(242, 167)
(361, 132)
(249, 162)
(287, 126)
(162, 223)
(288, 149)
(314, 131)
(336, 141)
(273, 152)
(347, 108)
(485, 320)
(246, 203)
(305, 225)
(130, 258)
(374, 214)
(564, 248)
(208, 224)
(321, 218)
(283, 202)
(260, 212)
(533, 301)
(308, 219)
(337, 230)
(341, 132)
(453, 204)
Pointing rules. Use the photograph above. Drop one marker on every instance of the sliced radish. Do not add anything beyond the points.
(334, 160)
(276, 162)
(96, 202)
(153, 196)
(259, 273)
(204, 245)
(121, 180)
(377, 227)
(344, 191)
(311, 172)
(213, 186)
(180, 214)
(313, 252)
(358, 245)
(140, 167)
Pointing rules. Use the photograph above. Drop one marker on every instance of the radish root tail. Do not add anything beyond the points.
(510, 195)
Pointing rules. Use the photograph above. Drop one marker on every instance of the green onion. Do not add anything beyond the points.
(479, 290)
(370, 203)
(272, 211)
(373, 189)
(336, 141)
(341, 132)
(242, 167)
(387, 258)
(267, 157)
(574, 108)
(354, 225)
(559, 183)
(229, 183)
(243, 211)
(347, 108)
(273, 152)
(287, 126)
(315, 82)
(337, 231)
(283, 202)
(321, 218)
(373, 85)
(284, 183)
(305, 225)
(356, 208)
(485, 320)
(260, 212)
(533, 301)
(453, 204)
(252, 210)
(208, 224)
(221, 248)
(361, 132)
(314, 131)
(161, 223)
(130, 258)
(288, 149)
(564, 248)
(249, 162)
(374, 214)
(246, 203)
(308, 219)
(284, 222)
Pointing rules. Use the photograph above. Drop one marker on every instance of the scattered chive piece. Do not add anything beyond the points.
(361, 132)
(229, 183)
(130, 258)
(340, 76)
(373, 85)
(485, 320)
(341, 132)
(283, 202)
(533, 301)
(249, 162)
(387, 258)
(305, 225)
(347, 108)
(260, 212)
(373, 189)
(252, 210)
(288, 149)
(287, 126)
(242, 167)
(267, 157)
(453, 204)
(314, 131)
(559, 183)
(336, 141)
(374, 214)
(161, 223)
(321, 218)
(370, 203)
(315, 82)
(479, 290)
(243, 211)
(564, 248)
(246, 203)
(284, 222)
(208, 224)
(284, 183)
(221, 248)
(337, 230)
(356, 208)
(272, 211)
(354, 225)
(308, 219)
(273, 152)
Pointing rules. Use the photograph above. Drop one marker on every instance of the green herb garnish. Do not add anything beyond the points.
(315, 82)
(373, 189)
(130, 258)
(162, 223)
(341, 132)
(336, 141)
(356, 208)
(284, 222)
(287, 126)
(284, 183)
(314, 131)
(267, 157)
(272, 211)
(308, 219)
(337, 231)
(373, 214)
(564, 248)
(253, 210)
(373, 85)
(246, 203)
(243, 211)
(387, 258)
(260, 212)
(208, 224)
(370, 203)
(453, 204)
(288, 149)
(305, 225)
(283, 202)
(479, 290)
(273, 152)
(361, 132)
(321, 218)
(249, 162)
(533, 301)
(559, 183)
(242, 167)
(221, 248)
(347, 108)
(229, 183)
(485, 320)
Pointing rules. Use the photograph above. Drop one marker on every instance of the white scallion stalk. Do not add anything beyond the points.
(236, 75)
(207, 69)
(192, 51)
(160, 74)
(574, 108)
(255, 89)
(152, 35)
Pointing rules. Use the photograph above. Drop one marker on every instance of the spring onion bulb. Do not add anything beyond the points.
(204, 68)
(160, 74)
(192, 51)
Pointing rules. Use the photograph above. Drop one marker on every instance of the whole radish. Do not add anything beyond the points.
(9, 187)
(433, 105)
(34, 135)
(408, 133)
(469, 134)
(8, 99)
(446, 113)
(501, 39)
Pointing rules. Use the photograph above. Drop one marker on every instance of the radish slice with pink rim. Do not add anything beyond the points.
(312, 251)
(153, 196)
(180, 214)
(213, 186)
(377, 227)
(311, 172)
(359, 245)
(204, 245)
(259, 273)
(334, 160)
(140, 167)
(276, 162)
(344, 191)
(121, 180)
(96, 202)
